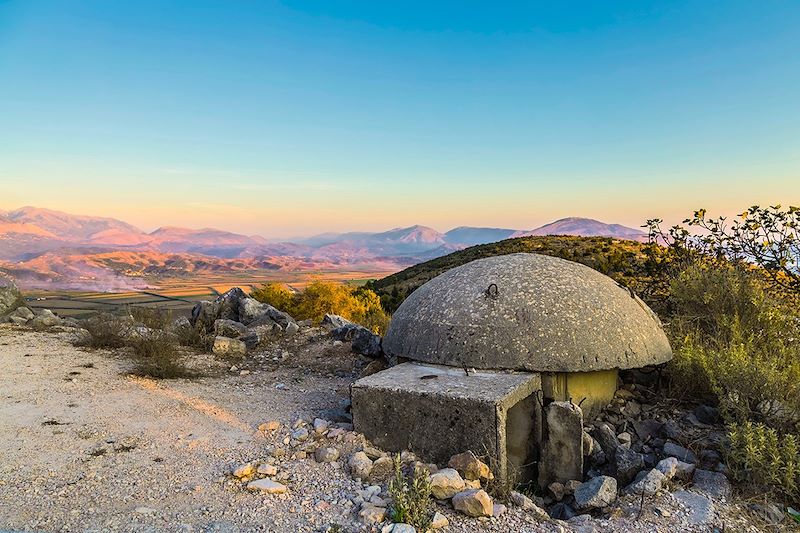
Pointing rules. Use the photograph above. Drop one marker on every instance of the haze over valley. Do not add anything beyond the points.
(43, 248)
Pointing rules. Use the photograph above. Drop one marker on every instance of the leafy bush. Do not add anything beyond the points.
(106, 331)
(411, 497)
(757, 455)
(359, 304)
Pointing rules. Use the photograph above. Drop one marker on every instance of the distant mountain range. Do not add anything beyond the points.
(42, 247)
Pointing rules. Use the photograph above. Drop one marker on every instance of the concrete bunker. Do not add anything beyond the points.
(558, 330)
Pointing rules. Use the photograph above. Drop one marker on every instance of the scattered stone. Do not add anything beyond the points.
(498, 509)
(271, 425)
(557, 490)
(266, 469)
(300, 434)
(229, 347)
(712, 483)
(446, 483)
(624, 439)
(320, 426)
(668, 467)
(626, 464)
(360, 465)
(672, 449)
(373, 453)
(439, 521)
(596, 493)
(571, 486)
(326, 454)
(382, 468)
(606, 438)
(709, 459)
(292, 328)
(371, 514)
(399, 528)
(528, 505)
(10, 297)
(700, 508)
(561, 511)
(475, 502)
(245, 470)
(470, 467)
(647, 429)
(684, 471)
(267, 485)
(647, 482)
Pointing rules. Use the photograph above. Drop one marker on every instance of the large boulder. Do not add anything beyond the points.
(224, 327)
(229, 347)
(228, 304)
(367, 343)
(204, 314)
(334, 321)
(252, 312)
(10, 297)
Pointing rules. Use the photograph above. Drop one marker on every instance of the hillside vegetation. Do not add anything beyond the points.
(630, 263)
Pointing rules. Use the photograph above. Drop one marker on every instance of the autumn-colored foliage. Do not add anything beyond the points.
(357, 304)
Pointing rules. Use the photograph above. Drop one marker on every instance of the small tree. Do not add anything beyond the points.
(768, 237)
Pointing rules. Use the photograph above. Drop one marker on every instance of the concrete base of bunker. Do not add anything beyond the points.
(439, 411)
(592, 391)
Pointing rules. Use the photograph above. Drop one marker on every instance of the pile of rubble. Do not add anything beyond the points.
(240, 323)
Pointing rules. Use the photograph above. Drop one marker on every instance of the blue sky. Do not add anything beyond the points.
(289, 118)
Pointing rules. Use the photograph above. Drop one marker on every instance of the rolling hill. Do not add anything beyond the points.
(623, 260)
(46, 246)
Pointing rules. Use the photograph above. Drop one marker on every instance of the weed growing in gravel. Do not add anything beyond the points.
(411, 497)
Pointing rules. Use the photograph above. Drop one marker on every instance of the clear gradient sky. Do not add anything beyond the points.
(295, 117)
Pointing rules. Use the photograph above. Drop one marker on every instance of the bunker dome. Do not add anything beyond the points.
(535, 313)
(505, 356)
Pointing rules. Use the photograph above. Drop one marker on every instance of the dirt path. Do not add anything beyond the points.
(86, 448)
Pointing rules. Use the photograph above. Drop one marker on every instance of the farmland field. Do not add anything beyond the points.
(179, 295)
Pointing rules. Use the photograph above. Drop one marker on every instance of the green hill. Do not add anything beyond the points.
(630, 263)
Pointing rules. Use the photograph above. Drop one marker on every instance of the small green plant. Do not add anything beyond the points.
(757, 455)
(411, 497)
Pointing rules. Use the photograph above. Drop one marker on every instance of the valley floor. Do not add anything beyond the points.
(86, 447)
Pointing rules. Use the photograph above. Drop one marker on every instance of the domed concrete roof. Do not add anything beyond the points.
(527, 312)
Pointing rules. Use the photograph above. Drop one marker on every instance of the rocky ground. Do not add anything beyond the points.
(87, 447)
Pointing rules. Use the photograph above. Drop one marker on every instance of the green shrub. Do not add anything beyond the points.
(735, 342)
(411, 497)
(758, 456)
(156, 355)
(106, 331)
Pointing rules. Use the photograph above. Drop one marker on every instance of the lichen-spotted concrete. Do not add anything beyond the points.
(527, 312)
